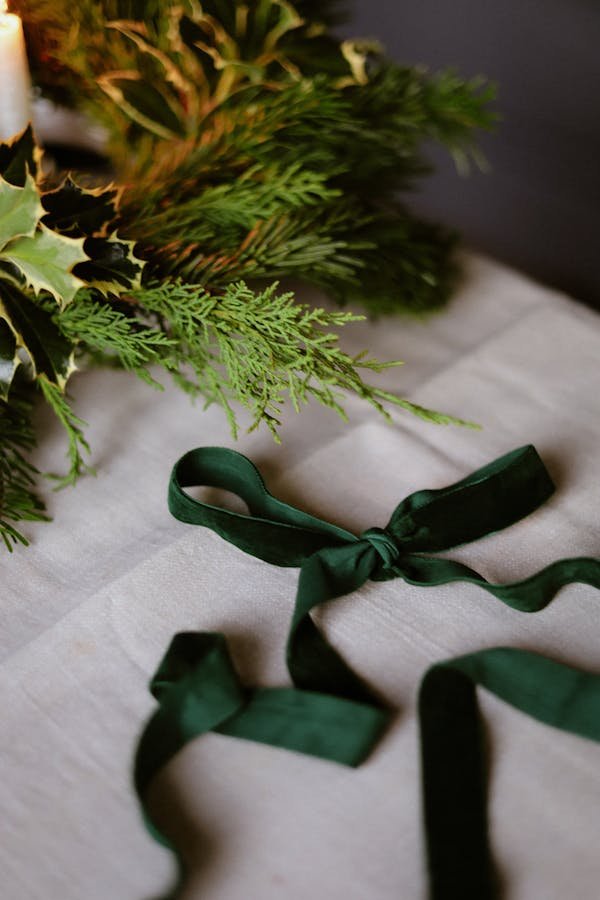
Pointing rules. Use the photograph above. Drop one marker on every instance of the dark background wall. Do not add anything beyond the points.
(539, 206)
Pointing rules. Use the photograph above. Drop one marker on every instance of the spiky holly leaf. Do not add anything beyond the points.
(20, 210)
(77, 212)
(60, 242)
(47, 260)
(112, 266)
(20, 157)
(33, 330)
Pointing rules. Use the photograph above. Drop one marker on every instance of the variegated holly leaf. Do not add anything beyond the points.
(47, 260)
(111, 267)
(77, 212)
(28, 327)
(61, 242)
(20, 210)
(19, 157)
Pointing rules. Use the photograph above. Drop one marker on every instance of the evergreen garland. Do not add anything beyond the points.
(248, 145)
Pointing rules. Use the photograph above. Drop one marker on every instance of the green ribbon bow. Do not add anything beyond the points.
(330, 713)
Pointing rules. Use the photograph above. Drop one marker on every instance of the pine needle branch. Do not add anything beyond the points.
(18, 500)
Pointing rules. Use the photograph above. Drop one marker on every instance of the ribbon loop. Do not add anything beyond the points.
(274, 531)
(490, 499)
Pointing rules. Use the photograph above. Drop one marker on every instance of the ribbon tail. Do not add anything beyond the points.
(197, 689)
(529, 595)
(453, 771)
(312, 662)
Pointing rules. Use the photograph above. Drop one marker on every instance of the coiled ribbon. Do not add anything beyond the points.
(329, 712)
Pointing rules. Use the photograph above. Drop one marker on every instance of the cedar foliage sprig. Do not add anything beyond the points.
(257, 348)
(73, 426)
(249, 348)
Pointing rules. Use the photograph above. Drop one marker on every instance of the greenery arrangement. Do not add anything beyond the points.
(247, 144)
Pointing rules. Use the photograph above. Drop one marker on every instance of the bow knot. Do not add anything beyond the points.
(384, 545)
(330, 712)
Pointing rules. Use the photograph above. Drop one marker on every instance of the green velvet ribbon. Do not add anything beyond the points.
(452, 761)
(330, 712)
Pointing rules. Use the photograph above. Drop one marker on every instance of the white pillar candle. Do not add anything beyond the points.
(15, 110)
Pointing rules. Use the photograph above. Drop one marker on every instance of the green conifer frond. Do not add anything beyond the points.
(102, 329)
(259, 348)
(73, 427)
(18, 500)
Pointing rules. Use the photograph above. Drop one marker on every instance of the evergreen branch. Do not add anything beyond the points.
(105, 331)
(257, 348)
(73, 426)
(422, 412)
(349, 229)
(18, 500)
(253, 127)
(305, 246)
(225, 212)
(455, 109)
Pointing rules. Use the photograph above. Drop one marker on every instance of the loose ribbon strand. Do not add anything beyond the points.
(453, 772)
(330, 712)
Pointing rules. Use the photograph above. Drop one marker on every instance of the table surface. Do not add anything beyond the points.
(90, 607)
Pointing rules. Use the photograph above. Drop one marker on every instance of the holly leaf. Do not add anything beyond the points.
(111, 267)
(35, 332)
(77, 212)
(47, 261)
(19, 157)
(20, 210)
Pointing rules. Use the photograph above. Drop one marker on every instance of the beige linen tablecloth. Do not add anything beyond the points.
(89, 609)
